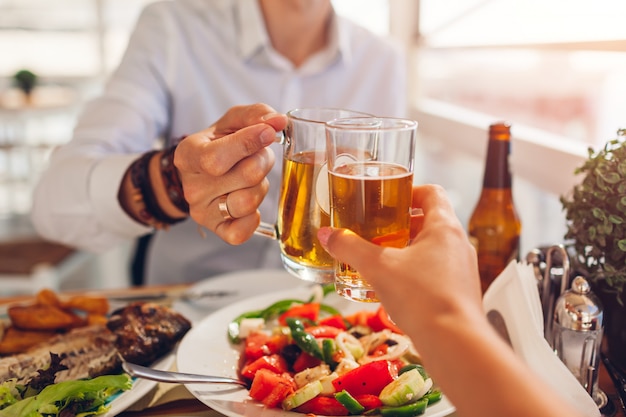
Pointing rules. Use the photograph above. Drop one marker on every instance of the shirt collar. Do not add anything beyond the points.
(254, 42)
(252, 32)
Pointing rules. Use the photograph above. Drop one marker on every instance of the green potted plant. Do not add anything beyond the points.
(595, 213)
(25, 80)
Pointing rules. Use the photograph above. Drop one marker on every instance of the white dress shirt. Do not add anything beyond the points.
(187, 62)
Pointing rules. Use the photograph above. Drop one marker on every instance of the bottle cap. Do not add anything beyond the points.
(500, 130)
(579, 308)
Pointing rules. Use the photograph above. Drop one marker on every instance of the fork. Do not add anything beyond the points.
(177, 377)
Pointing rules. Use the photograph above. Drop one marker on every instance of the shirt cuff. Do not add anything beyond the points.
(104, 184)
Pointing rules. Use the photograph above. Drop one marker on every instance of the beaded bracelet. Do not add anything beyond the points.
(171, 180)
(151, 212)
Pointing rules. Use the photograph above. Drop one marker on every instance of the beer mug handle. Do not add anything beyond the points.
(267, 230)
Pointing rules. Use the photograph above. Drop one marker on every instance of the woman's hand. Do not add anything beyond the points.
(432, 291)
(438, 272)
(229, 159)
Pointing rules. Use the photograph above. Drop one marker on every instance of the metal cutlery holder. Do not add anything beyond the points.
(572, 316)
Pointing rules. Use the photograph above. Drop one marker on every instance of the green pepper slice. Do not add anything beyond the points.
(328, 349)
(279, 307)
(433, 396)
(304, 340)
(410, 366)
(330, 310)
(348, 401)
(408, 410)
(267, 313)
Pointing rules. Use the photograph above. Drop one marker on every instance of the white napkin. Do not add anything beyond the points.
(514, 294)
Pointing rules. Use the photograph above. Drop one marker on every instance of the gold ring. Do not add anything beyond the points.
(222, 205)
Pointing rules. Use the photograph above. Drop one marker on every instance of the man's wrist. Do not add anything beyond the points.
(166, 186)
(144, 192)
(171, 181)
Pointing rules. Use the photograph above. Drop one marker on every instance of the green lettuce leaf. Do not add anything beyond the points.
(84, 397)
(9, 393)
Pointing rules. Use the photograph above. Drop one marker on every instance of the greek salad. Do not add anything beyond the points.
(305, 356)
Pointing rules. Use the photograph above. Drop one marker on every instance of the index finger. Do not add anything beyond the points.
(433, 200)
(438, 211)
(197, 154)
(239, 117)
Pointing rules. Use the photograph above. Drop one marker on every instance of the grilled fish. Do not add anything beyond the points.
(139, 332)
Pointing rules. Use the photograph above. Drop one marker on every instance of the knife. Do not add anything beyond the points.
(187, 296)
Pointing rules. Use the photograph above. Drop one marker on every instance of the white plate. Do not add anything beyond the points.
(140, 387)
(205, 349)
(242, 284)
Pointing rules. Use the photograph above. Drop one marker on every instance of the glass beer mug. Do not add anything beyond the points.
(303, 205)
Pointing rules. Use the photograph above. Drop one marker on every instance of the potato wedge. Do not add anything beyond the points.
(87, 303)
(17, 341)
(47, 297)
(43, 317)
(96, 319)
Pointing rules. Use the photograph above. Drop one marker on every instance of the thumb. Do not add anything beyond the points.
(346, 246)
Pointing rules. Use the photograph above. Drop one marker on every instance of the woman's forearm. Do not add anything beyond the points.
(481, 374)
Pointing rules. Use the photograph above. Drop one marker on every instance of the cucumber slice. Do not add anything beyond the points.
(327, 383)
(311, 374)
(404, 389)
(302, 395)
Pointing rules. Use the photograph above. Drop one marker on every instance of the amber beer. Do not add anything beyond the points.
(372, 199)
(299, 214)
(304, 186)
(370, 169)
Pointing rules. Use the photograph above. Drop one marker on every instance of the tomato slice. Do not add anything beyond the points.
(305, 361)
(360, 318)
(380, 350)
(254, 345)
(369, 401)
(335, 321)
(274, 363)
(323, 331)
(324, 406)
(270, 388)
(369, 378)
(308, 311)
(276, 343)
(381, 321)
(396, 365)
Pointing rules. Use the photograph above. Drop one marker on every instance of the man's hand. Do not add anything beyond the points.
(229, 159)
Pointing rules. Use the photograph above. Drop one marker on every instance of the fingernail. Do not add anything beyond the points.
(269, 116)
(267, 136)
(323, 234)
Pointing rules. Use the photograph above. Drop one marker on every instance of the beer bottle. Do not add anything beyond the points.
(494, 227)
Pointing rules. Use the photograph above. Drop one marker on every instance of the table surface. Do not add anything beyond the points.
(194, 408)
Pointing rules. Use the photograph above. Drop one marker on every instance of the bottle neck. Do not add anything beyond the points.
(497, 172)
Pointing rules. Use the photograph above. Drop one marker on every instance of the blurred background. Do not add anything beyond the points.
(556, 70)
